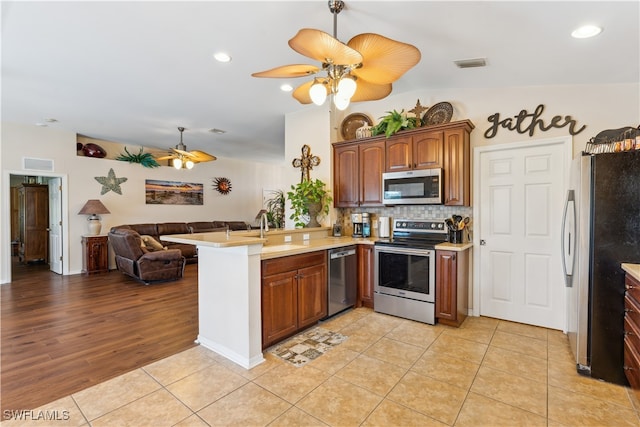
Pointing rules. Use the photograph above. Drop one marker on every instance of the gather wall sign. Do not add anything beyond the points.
(525, 122)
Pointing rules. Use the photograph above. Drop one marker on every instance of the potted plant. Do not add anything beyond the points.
(309, 199)
(275, 209)
(145, 159)
(393, 122)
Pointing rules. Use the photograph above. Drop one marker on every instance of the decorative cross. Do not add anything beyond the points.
(417, 110)
(306, 162)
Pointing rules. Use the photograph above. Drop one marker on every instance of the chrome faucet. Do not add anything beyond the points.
(264, 224)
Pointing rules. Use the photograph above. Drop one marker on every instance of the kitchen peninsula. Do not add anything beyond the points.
(229, 283)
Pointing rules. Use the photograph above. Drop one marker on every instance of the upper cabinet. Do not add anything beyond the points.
(357, 169)
(359, 164)
(419, 151)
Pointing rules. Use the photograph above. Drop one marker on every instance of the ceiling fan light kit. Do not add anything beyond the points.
(361, 70)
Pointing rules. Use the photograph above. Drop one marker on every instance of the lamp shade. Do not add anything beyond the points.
(93, 207)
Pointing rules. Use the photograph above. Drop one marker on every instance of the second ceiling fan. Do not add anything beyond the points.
(181, 158)
(360, 70)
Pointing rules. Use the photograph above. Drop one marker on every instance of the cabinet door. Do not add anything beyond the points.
(456, 164)
(345, 176)
(398, 154)
(371, 156)
(312, 295)
(365, 276)
(95, 254)
(279, 307)
(446, 285)
(427, 150)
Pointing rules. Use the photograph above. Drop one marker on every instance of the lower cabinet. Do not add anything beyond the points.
(95, 254)
(452, 286)
(632, 331)
(365, 276)
(294, 294)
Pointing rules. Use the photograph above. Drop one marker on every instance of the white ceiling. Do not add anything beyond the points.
(134, 71)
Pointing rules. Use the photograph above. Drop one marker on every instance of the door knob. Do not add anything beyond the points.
(483, 242)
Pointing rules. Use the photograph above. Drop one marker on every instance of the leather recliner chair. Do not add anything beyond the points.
(133, 259)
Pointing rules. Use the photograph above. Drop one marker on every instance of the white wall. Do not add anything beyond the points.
(18, 141)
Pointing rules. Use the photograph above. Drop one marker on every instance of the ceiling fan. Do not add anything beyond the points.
(361, 70)
(181, 158)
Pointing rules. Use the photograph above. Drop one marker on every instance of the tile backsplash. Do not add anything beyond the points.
(405, 211)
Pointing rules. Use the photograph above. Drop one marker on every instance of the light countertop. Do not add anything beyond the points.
(633, 270)
(275, 247)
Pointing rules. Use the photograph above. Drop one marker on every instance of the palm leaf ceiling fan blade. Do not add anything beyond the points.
(318, 45)
(385, 60)
(367, 91)
(167, 157)
(201, 156)
(296, 70)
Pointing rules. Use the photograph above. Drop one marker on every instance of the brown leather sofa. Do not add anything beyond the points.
(133, 259)
(165, 228)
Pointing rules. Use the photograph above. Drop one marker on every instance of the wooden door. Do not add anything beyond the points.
(312, 295)
(365, 275)
(456, 168)
(279, 307)
(34, 222)
(427, 150)
(371, 164)
(345, 176)
(398, 154)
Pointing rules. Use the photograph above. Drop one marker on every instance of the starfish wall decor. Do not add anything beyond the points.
(110, 182)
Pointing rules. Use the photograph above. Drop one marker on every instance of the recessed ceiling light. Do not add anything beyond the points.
(586, 31)
(286, 87)
(222, 57)
(51, 120)
(42, 125)
(217, 131)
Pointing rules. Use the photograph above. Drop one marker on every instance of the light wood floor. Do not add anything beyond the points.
(62, 334)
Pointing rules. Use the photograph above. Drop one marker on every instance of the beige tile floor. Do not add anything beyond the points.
(389, 372)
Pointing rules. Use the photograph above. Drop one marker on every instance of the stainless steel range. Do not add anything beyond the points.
(404, 280)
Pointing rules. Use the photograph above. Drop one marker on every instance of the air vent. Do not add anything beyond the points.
(471, 63)
(29, 163)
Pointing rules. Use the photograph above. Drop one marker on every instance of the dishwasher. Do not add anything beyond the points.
(343, 276)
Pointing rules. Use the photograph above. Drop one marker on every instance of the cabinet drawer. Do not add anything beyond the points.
(632, 333)
(632, 311)
(631, 364)
(293, 262)
(633, 287)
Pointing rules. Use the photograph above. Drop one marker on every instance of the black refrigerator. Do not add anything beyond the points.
(601, 230)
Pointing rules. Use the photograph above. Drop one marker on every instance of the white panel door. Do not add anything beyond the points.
(55, 225)
(520, 212)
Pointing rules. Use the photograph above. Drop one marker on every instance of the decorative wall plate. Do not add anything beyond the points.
(438, 114)
(352, 122)
(222, 185)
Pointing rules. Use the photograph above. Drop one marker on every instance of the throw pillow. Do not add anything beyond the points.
(152, 244)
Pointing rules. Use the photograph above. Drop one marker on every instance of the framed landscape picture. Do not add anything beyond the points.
(158, 192)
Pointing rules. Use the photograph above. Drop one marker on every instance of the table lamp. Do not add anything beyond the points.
(94, 208)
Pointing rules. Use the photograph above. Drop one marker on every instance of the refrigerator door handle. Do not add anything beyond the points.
(568, 240)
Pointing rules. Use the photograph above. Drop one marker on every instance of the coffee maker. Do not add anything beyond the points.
(356, 220)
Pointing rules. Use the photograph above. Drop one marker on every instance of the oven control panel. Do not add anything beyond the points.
(420, 225)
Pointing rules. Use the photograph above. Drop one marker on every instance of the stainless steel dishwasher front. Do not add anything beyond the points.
(343, 276)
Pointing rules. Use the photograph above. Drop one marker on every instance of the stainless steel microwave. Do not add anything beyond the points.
(417, 187)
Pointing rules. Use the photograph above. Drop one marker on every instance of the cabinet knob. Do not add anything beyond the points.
(627, 368)
(628, 287)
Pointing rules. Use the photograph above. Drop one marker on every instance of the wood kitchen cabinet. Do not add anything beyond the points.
(456, 166)
(33, 222)
(632, 331)
(358, 171)
(365, 256)
(95, 254)
(422, 150)
(294, 294)
(452, 286)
